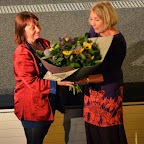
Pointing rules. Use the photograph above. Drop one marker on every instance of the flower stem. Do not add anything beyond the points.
(75, 88)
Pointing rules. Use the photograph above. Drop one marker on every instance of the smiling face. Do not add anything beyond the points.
(32, 31)
(97, 23)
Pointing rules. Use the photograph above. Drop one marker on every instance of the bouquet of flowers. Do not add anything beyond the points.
(75, 52)
(73, 58)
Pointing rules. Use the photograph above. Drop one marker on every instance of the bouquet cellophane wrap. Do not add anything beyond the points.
(69, 73)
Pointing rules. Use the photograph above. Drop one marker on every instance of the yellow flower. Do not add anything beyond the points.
(67, 53)
(87, 45)
(67, 39)
(78, 51)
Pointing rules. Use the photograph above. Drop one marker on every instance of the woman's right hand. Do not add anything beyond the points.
(65, 83)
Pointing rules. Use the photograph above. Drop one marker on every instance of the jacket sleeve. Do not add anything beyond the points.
(26, 70)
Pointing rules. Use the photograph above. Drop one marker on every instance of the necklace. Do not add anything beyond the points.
(109, 32)
(106, 33)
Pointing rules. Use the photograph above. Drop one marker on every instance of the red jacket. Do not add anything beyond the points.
(31, 93)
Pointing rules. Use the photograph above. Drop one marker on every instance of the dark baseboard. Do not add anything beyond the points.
(6, 101)
(133, 92)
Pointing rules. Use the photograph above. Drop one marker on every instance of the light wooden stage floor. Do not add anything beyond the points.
(11, 131)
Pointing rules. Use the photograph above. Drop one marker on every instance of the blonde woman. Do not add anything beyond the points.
(103, 96)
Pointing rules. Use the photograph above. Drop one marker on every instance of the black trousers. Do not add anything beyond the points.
(105, 135)
(36, 135)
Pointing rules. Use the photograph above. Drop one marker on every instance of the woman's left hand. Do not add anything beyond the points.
(65, 83)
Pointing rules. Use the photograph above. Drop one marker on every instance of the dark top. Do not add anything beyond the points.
(103, 101)
(110, 68)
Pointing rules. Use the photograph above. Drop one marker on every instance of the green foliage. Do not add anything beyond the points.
(76, 52)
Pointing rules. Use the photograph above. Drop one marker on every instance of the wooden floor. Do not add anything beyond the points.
(11, 131)
(134, 122)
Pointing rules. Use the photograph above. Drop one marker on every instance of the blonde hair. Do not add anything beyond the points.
(106, 12)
